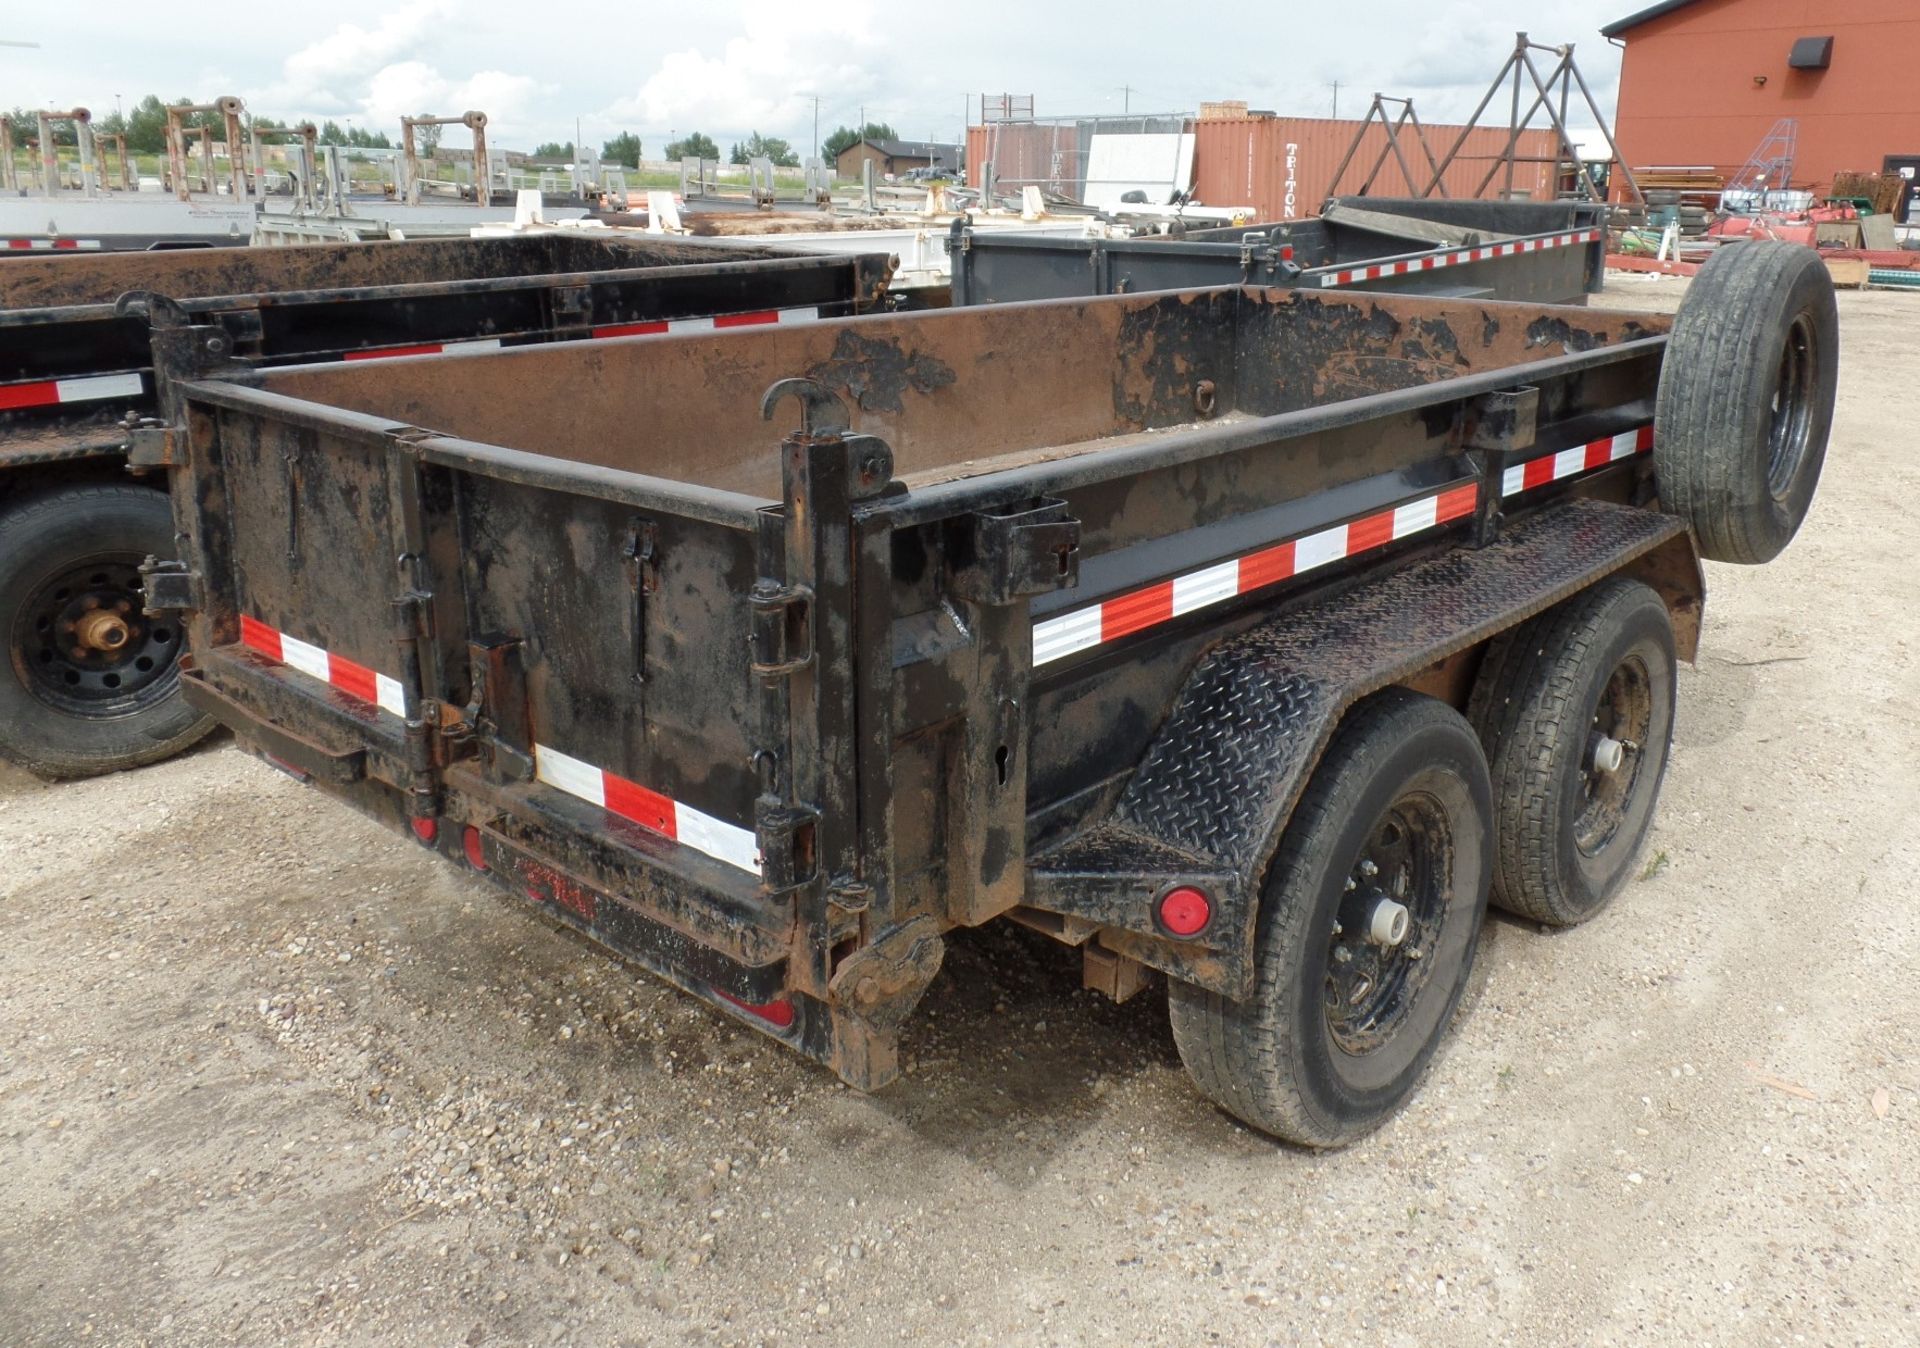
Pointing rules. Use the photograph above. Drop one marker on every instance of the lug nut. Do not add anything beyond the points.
(1608, 754)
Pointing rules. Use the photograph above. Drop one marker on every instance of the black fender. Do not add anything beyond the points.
(1213, 792)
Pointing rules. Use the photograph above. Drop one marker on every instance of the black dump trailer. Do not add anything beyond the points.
(89, 683)
(1542, 252)
(1249, 638)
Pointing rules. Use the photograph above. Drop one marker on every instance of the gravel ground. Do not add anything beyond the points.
(269, 1075)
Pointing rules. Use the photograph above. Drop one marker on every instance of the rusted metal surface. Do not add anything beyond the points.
(178, 133)
(81, 121)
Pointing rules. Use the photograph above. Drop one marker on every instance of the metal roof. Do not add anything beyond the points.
(915, 149)
(1619, 26)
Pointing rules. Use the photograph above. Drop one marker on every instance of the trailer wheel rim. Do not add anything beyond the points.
(1790, 425)
(1624, 715)
(88, 647)
(1371, 988)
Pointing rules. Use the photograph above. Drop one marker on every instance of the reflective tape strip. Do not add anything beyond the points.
(51, 392)
(349, 676)
(1566, 463)
(714, 323)
(1432, 261)
(652, 811)
(52, 245)
(1139, 610)
(424, 349)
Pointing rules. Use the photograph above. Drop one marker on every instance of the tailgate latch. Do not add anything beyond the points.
(1030, 548)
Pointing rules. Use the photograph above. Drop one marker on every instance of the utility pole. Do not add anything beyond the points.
(1126, 99)
(1336, 100)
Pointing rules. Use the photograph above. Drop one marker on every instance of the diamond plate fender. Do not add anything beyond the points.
(1211, 796)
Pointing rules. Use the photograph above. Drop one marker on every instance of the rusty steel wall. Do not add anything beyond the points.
(1284, 166)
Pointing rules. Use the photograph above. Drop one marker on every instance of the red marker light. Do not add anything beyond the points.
(426, 830)
(476, 856)
(1185, 911)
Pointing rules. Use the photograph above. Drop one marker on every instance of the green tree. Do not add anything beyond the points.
(844, 136)
(693, 145)
(147, 126)
(623, 149)
(772, 147)
(427, 138)
(554, 149)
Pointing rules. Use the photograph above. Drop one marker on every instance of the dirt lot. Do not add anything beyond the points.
(269, 1075)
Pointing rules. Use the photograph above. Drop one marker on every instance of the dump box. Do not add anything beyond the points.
(1546, 252)
(1235, 637)
(81, 695)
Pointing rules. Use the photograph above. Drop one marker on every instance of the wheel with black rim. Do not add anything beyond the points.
(1575, 709)
(1746, 397)
(92, 681)
(1368, 919)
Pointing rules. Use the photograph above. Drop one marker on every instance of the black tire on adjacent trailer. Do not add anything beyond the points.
(91, 683)
(1351, 997)
(1575, 709)
(1746, 398)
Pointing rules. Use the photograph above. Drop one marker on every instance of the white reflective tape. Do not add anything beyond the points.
(570, 775)
(734, 845)
(1329, 545)
(798, 316)
(477, 344)
(1514, 480)
(1057, 637)
(1625, 445)
(1334, 279)
(690, 325)
(306, 658)
(1211, 586)
(1414, 516)
(98, 386)
(1570, 461)
(390, 695)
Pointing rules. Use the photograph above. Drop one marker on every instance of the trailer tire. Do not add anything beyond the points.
(1746, 398)
(1566, 831)
(1305, 1058)
(72, 706)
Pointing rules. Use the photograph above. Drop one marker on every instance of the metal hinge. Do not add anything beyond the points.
(1028, 549)
(786, 836)
(782, 623)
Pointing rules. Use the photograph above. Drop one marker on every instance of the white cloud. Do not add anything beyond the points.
(378, 75)
(765, 77)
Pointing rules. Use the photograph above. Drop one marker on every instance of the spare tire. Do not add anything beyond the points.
(1746, 398)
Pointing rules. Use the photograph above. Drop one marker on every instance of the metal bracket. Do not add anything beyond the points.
(781, 619)
(883, 980)
(821, 411)
(499, 713)
(168, 587)
(1024, 550)
(150, 444)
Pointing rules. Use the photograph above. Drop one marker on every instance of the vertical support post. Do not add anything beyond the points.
(9, 178)
(49, 156)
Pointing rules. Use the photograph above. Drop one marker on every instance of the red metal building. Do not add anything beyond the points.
(1703, 82)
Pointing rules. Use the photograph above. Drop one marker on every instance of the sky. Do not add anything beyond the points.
(729, 68)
